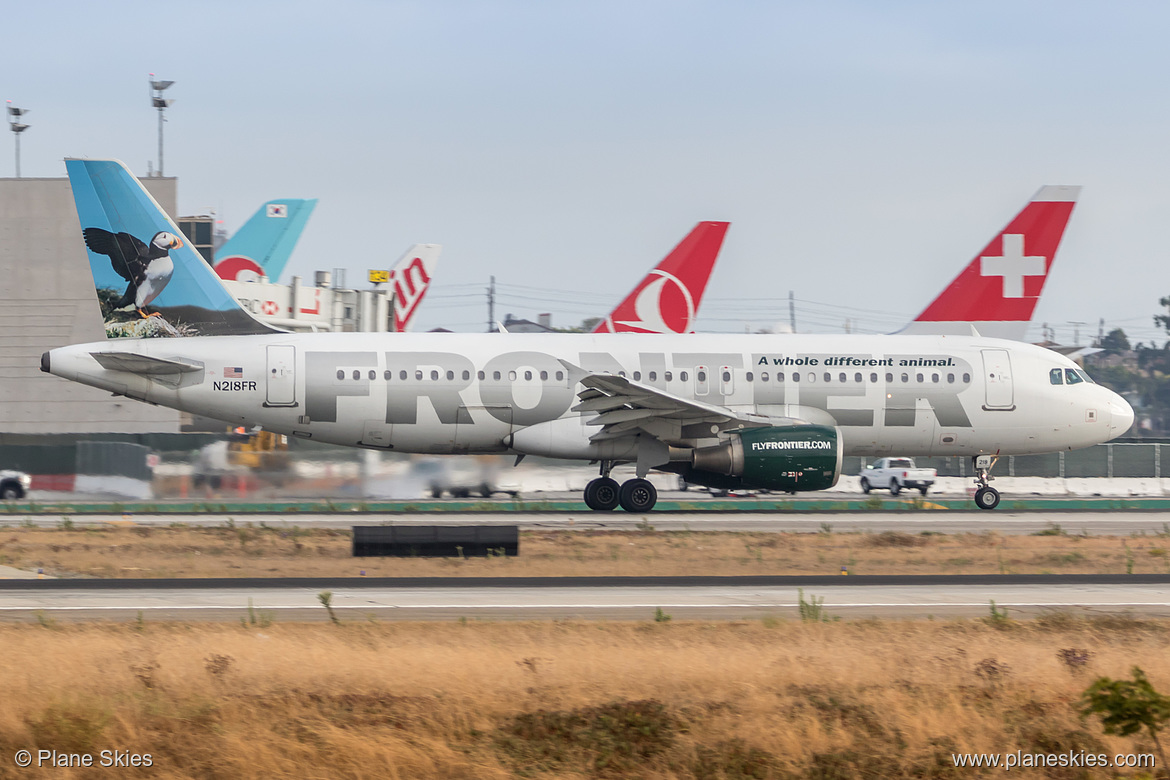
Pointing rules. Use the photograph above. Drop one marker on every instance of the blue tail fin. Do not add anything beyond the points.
(263, 245)
(149, 280)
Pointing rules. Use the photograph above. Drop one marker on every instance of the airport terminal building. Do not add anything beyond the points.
(46, 301)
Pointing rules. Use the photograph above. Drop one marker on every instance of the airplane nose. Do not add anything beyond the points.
(1120, 416)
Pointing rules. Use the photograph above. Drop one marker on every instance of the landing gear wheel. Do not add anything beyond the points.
(987, 498)
(895, 488)
(864, 485)
(638, 495)
(601, 494)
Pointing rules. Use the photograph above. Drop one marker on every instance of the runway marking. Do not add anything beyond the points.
(794, 605)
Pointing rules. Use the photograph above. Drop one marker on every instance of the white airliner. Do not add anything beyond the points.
(774, 412)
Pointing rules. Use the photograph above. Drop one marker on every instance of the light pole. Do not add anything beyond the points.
(161, 103)
(17, 128)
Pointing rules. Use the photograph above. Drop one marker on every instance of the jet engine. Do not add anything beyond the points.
(788, 458)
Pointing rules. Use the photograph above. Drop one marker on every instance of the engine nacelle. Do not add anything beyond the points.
(790, 458)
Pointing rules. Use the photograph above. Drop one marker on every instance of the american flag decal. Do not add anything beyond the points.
(233, 373)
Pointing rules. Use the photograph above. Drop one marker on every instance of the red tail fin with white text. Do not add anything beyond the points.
(998, 291)
(667, 300)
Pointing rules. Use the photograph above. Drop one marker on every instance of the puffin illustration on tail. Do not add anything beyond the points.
(147, 268)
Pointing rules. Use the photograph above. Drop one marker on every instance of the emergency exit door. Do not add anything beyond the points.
(281, 376)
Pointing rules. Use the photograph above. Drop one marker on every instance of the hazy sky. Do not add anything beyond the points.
(862, 151)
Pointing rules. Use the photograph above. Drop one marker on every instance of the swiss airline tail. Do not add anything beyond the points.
(410, 279)
(667, 300)
(998, 291)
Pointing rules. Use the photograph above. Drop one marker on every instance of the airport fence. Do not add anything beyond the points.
(1135, 460)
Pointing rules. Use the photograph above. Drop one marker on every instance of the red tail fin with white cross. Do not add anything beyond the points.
(668, 298)
(998, 291)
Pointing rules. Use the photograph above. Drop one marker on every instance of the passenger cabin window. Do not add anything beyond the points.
(511, 376)
(528, 376)
(466, 374)
(418, 375)
(905, 378)
(857, 378)
(1056, 376)
(357, 374)
(340, 374)
(750, 377)
(889, 378)
(543, 376)
(560, 375)
(450, 375)
(434, 375)
(480, 375)
(966, 378)
(496, 375)
(402, 374)
(682, 376)
(950, 379)
(918, 378)
(373, 374)
(668, 376)
(763, 376)
(795, 376)
(702, 387)
(637, 376)
(653, 376)
(388, 375)
(873, 377)
(1072, 377)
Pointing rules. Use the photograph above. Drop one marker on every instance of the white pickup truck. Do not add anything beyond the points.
(897, 474)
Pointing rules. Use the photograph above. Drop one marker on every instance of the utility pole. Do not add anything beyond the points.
(1076, 332)
(791, 312)
(159, 102)
(17, 128)
(491, 293)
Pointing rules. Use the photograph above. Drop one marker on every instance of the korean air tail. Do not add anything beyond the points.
(150, 282)
(998, 291)
(668, 299)
(263, 245)
(410, 279)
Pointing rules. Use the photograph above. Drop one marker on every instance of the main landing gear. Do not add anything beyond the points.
(986, 497)
(634, 495)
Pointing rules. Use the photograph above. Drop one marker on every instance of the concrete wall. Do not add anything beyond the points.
(47, 300)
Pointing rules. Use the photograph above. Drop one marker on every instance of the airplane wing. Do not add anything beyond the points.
(625, 407)
(143, 364)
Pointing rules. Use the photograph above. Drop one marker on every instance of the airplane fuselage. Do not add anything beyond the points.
(466, 393)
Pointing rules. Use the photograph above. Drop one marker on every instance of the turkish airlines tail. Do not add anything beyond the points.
(668, 299)
(998, 291)
(410, 279)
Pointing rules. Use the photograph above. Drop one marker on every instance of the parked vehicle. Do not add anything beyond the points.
(896, 474)
(14, 484)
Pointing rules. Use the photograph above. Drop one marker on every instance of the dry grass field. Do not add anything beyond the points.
(258, 551)
(695, 701)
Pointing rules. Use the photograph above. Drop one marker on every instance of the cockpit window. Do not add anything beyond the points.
(1072, 377)
(1085, 376)
(1056, 376)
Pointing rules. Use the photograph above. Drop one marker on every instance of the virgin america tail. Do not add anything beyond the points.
(998, 290)
(668, 299)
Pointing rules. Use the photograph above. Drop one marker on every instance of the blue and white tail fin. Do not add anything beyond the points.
(263, 245)
(149, 280)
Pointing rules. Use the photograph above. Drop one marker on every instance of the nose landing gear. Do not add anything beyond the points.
(604, 495)
(986, 497)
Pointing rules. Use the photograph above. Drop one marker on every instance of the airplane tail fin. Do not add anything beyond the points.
(410, 279)
(668, 298)
(263, 245)
(998, 290)
(149, 280)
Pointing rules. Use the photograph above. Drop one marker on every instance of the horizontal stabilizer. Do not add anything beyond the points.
(142, 364)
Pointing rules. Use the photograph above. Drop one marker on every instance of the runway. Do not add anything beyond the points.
(585, 598)
(1095, 523)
